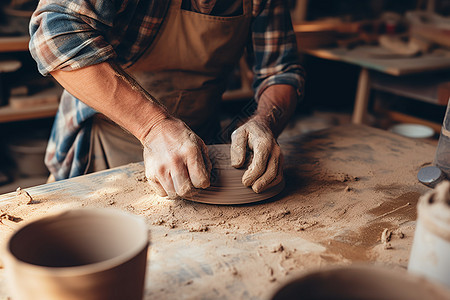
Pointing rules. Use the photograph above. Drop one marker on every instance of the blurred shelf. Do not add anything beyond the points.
(40, 105)
(424, 88)
(10, 114)
(13, 44)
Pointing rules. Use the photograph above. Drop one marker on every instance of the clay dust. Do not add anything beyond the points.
(339, 198)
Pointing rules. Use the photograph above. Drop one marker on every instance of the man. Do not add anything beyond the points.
(157, 69)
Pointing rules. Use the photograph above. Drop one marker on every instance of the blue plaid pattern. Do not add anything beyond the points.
(71, 34)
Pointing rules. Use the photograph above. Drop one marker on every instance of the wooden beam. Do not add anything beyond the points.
(444, 93)
(362, 97)
(9, 114)
(14, 44)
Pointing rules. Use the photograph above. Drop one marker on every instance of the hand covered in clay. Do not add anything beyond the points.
(265, 169)
(176, 159)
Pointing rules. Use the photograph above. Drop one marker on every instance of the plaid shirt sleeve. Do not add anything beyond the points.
(68, 146)
(274, 47)
(70, 34)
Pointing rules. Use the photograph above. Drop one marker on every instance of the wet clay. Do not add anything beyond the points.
(226, 182)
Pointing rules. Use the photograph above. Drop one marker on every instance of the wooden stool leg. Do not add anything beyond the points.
(51, 178)
(362, 97)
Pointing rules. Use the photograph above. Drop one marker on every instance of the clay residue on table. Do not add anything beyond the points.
(340, 196)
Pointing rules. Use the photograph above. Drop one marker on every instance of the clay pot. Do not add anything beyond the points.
(431, 246)
(360, 283)
(226, 182)
(78, 254)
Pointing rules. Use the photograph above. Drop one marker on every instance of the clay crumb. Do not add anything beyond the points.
(386, 236)
(306, 224)
(388, 246)
(284, 212)
(347, 189)
(277, 248)
(346, 177)
(198, 228)
(385, 239)
(141, 178)
(23, 197)
(159, 221)
(234, 271)
(189, 282)
(111, 202)
(5, 216)
(171, 224)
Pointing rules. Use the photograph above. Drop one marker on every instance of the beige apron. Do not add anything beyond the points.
(185, 68)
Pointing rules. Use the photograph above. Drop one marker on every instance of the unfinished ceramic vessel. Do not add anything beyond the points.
(78, 254)
(430, 253)
(226, 182)
(361, 283)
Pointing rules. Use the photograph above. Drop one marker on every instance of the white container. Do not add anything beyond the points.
(416, 131)
(430, 253)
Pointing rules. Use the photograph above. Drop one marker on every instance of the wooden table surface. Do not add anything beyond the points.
(344, 186)
(379, 59)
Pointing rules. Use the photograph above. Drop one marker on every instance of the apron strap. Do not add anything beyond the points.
(246, 5)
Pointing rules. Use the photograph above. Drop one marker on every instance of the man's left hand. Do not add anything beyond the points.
(266, 167)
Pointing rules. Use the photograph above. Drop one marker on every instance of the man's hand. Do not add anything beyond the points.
(176, 159)
(266, 168)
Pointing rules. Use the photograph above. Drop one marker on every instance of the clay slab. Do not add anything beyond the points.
(226, 182)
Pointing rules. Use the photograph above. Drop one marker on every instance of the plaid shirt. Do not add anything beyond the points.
(71, 34)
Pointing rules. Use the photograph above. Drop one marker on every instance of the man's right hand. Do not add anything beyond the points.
(176, 159)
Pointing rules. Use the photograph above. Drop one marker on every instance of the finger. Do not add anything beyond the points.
(275, 182)
(206, 159)
(273, 174)
(156, 187)
(181, 181)
(198, 173)
(238, 147)
(166, 182)
(261, 153)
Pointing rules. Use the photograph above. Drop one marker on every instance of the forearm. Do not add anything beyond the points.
(109, 90)
(276, 105)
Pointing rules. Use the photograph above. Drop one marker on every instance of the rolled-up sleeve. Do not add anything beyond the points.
(274, 47)
(68, 35)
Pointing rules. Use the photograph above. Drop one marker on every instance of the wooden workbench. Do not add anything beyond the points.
(14, 44)
(344, 186)
(373, 59)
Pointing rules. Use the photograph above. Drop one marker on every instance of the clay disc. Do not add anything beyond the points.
(226, 182)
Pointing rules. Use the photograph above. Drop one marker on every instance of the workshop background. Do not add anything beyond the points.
(389, 58)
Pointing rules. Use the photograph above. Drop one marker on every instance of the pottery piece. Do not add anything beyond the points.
(90, 254)
(226, 182)
(431, 246)
(360, 282)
